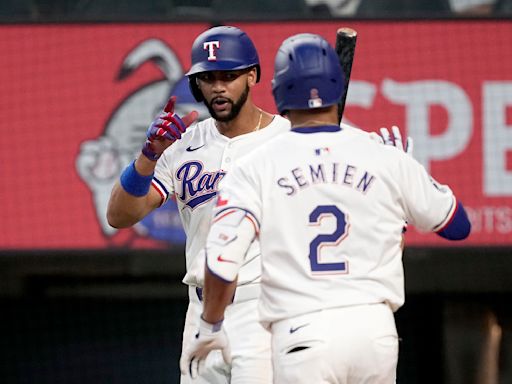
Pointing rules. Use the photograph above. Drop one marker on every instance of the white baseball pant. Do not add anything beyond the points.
(344, 345)
(250, 342)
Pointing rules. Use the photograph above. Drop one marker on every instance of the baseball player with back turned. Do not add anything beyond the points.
(190, 165)
(327, 205)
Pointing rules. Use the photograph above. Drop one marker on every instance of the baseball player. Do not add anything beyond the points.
(189, 166)
(327, 205)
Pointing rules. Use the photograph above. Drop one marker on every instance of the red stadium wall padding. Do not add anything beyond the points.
(76, 101)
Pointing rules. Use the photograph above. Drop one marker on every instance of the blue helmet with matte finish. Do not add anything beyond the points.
(223, 48)
(307, 74)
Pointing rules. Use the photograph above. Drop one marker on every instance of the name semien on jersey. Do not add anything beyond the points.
(346, 175)
(197, 186)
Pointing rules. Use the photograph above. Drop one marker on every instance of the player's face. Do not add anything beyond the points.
(225, 92)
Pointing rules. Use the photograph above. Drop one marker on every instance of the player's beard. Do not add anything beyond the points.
(236, 107)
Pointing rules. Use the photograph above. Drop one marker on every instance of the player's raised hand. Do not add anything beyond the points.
(395, 139)
(165, 130)
(208, 338)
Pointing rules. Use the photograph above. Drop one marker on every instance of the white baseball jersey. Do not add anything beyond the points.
(330, 205)
(192, 169)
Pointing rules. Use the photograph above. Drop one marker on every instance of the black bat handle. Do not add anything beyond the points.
(345, 48)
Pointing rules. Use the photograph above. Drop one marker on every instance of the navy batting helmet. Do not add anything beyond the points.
(222, 48)
(307, 74)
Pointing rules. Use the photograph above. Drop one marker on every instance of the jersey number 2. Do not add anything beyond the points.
(329, 240)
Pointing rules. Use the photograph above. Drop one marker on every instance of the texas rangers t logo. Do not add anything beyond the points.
(210, 46)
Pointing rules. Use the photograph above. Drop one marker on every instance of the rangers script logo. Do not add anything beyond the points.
(197, 186)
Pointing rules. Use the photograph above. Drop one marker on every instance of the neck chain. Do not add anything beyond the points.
(259, 122)
(258, 126)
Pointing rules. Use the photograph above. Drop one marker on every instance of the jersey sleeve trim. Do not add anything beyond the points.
(449, 216)
(458, 227)
(160, 188)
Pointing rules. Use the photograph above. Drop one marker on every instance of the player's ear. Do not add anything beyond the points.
(252, 76)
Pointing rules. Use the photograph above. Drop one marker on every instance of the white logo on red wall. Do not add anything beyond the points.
(101, 160)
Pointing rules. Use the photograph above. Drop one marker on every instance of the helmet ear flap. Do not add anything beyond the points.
(194, 88)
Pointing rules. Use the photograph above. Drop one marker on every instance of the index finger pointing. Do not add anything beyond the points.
(169, 107)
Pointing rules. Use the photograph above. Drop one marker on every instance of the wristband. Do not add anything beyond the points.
(209, 327)
(134, 183)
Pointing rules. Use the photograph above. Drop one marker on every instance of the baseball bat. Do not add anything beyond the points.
(345, 47)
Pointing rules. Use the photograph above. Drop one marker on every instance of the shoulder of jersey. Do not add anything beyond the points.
(383, 151)
(360, 134)
(281, 128)
(354, 130)
(197, 133)
(281, 123)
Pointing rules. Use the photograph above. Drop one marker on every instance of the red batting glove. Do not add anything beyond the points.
(165, 130)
